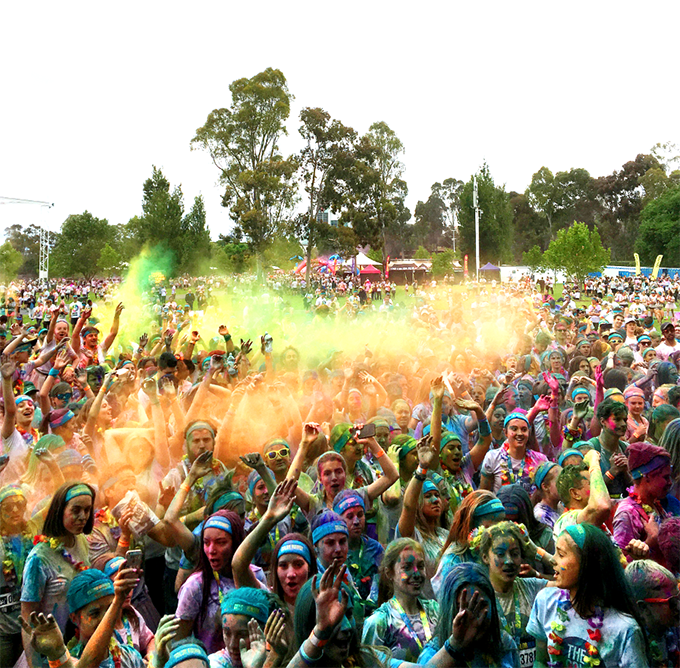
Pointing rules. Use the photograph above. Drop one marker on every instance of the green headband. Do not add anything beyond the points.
(77, 490)
(577, 534)
(342, 441)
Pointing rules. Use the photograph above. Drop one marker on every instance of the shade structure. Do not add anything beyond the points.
(368, 269)
(489, 267)
(363, 260)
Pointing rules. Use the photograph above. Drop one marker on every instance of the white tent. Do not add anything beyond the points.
(363, 260)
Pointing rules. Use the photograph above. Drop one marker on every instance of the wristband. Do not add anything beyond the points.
(306, 658)
(484, 427)
(227, 337)
(380, 453)
(60, 661)
(455, 654)
(609, 475)
(86, 387)
(541, 553)
(421, 470)
(420, 476)
(123, 542)
(316, 641)
(185, 487)
(53, 372)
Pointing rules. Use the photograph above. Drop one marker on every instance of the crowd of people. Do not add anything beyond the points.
(480, 477)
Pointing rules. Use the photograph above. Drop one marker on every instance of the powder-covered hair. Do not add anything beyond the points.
(646, 578)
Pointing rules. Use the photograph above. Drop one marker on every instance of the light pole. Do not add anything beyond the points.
(475, 203)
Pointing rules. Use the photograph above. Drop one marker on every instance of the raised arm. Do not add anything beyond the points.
(160, 441)
(9, 422)
(427, 457)
(309, 434)
(599, 503)
(75, 335)
(390, 472)
(108, 341)
(437, 389)
(280, 504)
(479, 450)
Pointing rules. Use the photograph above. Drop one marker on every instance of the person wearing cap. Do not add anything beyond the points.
(513, 461)
(629, 325)
(669, 344)
(95, 604)
(549, 507)
(58, 556)
(648, 503)
(87, 348)
(637, 422)
(240, 609)
(584, 494)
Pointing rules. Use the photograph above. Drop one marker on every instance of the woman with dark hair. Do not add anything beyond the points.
(293, 560)
(468, 632)
(518, 508)
(666, 374)
(58, 556)
(198, 605)
(404, 622)
(661, 417)
(325, 631)
(479, 509)
(579, 363)
(591, 613)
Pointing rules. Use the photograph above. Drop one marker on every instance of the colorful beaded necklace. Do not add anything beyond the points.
(56, 545)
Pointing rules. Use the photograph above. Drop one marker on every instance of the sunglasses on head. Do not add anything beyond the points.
(64, 397)
(273, 454)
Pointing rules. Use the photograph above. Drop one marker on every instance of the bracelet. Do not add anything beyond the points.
(227, 337)
(609, 475)
(421, 470)
(316, 641)
(306, 658)
(185, 487)
(53, 372)
(455, 654)
(60, 661)
(86, 387)
(123, 542)
(540, 553)
(484, 427)
(380, 453)
(420, 476)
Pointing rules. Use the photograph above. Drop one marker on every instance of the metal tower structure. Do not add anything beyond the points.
(44, 262)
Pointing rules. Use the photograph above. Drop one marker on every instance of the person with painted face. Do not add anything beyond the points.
(58, 556)
(405, 621)
(513, 461)
(548, 506)
(503, 549)
(364, 554)
(655, 590)
(277, 458)
(245, 614)
(424, 512)
(469, 632)
(87, 348)
(478, 509)
(95, 604)
(591, 612)
(648, 504)
(613, 418)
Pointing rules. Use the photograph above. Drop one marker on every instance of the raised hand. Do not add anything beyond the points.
(553, 383)
(119, 309)
(223, 330)
(637, 549)
(202, 466)
(437, 388)
(246, 346)
(8, 367)
(275, 633)
(61, 360)
(469, 620)
(309, 433)
(253, 656)
(542, 403)
(45, 635)
(581, 408)
(427, 455)
(331, 600)
(126, 580)
(165, 634)
(253, 460)
(282, 500)
(469, 405)
(143, 340)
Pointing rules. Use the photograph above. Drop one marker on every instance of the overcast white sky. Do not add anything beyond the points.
(93, 94)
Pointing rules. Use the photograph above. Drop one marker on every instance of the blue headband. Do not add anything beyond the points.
(347, 502)
(224, 499)
(568, 453)
(21, 398)
(542, 472)
(218, 522)
(77, 490)
(324, 530)
(296, 547)
(577, 533)
(580, 390)
(255, 478)
(644, 337)
(515, 416)
(429, 486)
(246, 601)
(651, 465)
(184, 653)
(113, 566)
(89, 585)
(11, 490)
(492, 507)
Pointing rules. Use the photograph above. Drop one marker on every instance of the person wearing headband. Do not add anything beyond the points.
(60, 553)
(330, 538)
(199, 597)
(648, 503)
(549, 507)
(365, 553)
(95, 606)
(590, 612)
(87, 347)
(583, 492)
(237, 608)
(638, 424)
(292, 567)
(513, 461)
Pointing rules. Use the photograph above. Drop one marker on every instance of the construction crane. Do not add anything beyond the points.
(44, 261)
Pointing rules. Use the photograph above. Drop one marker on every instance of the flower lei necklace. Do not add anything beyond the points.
(105, 516)
(650, 510)
(29, 435)
(557, 658)
(198, 485)
(14, 560)
(56, 545)
(75, 647)
(508, 475)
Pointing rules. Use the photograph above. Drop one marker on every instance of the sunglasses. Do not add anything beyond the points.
(273, 454)
(645, 344)
(64, 397)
